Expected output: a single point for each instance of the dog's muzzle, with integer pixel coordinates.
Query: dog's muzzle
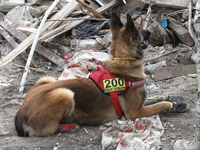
(145, 35)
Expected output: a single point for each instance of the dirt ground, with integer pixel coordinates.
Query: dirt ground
(176, 125)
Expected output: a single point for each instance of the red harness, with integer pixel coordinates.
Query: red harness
(113, 85)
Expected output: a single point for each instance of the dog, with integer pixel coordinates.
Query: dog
(82, 101)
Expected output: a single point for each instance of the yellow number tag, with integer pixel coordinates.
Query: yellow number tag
(114, 85)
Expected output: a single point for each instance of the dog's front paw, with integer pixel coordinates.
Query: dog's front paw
(180, 107)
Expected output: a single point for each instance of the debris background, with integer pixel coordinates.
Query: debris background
(175, 53)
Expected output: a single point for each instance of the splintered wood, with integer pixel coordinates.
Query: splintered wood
(63, 13)
(53, 29)
(39, 48)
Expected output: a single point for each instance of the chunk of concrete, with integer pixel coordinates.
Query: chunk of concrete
(15, 16)
(7, 5)
(182, 34)
(158, 35)
(35, 12)
(33, 2)
(169, 3)
(85, 44)
(136, 5)
(38, 11)
(107, 39)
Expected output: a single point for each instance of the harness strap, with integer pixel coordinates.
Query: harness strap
(113, 96)
(107, 76)
(116, 104)
(133, 84)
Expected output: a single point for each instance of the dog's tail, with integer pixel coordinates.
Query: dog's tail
(19, 125)
(45, 80)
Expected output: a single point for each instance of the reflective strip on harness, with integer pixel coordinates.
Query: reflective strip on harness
(134, 84)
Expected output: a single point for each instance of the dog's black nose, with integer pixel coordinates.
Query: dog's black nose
(146, 34)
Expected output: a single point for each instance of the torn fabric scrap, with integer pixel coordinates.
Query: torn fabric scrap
(141, 134)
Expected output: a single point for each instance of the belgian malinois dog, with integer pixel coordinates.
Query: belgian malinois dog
(81, 101)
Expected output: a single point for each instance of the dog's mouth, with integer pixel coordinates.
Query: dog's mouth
(144, 45)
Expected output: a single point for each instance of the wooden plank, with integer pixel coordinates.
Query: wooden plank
(13, 31)
(170, 72)
(68, 26)
(50, 55)
(39, 48)
(29, 40)
(94, 12)
(12, 42)
(108, 6)
(26, 30)
(8, 37)
(182, 34)
(63, 13)
(76, 13)
(81, 12)
(147, 18)
(59, 30)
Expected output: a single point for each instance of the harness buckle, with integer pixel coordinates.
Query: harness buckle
(131, 85)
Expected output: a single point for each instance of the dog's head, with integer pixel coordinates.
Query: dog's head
(127, 40)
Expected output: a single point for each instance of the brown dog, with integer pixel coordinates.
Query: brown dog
(81, 100)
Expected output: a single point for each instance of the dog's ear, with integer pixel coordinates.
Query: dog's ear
(115, 22)
(130, 24)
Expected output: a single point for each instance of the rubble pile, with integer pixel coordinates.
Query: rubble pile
(76, 25)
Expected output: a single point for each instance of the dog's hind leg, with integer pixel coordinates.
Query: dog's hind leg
(43, 118)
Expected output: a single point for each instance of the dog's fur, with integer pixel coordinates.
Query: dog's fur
(80, 101)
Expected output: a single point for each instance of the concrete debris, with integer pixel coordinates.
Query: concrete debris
(85, 44)
(34, 2)
(194, 58)
(7, 5)
(77, 27)
(182, 34)
(38, 11)
(158, 35)
(169, 3)
(137, 5)
(19, 16)
(71, 28)
(150, 68)
(184, 57)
